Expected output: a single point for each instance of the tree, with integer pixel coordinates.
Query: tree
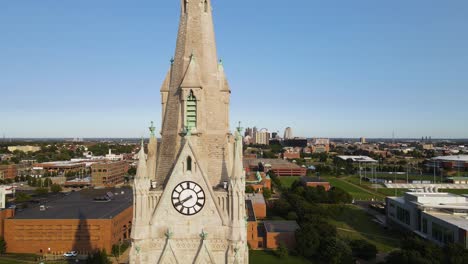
(22, 197)
(282, 251)
(99, 257)
(3, 246)
(33, 182)
(363, 249)
(41, 191)
(55, 188)
(308, 241)
(249, 189)
(266, 193)
(335, 251)
(132, 171)
(338, 195)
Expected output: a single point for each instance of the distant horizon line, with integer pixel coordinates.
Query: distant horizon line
(138, 138)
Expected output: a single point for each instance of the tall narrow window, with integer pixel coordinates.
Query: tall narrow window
(185, 6)
(206, 6)
(189, 163)
(191, 112)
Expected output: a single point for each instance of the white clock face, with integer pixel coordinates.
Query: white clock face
(188, 198)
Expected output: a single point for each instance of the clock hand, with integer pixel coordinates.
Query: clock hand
(183, 201)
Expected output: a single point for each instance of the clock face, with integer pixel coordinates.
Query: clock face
(188, 198)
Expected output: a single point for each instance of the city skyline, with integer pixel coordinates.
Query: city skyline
(360, 69)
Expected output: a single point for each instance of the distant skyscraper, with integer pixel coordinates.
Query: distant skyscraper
(288, 134)
(363, 140)
(248, 132)
(274, 135)
(262, 137)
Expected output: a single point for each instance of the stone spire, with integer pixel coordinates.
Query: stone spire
(152, 150)
(195, 90)
(141, 167)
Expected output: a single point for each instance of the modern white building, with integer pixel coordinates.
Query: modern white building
(439, 217)
(358, 159)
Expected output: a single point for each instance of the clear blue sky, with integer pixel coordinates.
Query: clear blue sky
(93, 68)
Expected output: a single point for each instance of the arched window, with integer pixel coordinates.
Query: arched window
(191, 112)
(206, 6)
(185, 6)
(189, 163)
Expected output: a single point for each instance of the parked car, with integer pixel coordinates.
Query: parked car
(70, 254)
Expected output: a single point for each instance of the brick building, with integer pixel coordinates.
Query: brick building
(267, 234)
(58, 167)
(314, 182)
(278, 232)
(84, 221)
(278, 166)
(108, 174)
(8, 172)
(258, 180)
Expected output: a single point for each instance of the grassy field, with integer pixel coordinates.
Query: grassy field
(267, 257)
(353, 222)
(288, 181)
(455, 191)
(358, 193)
(11, 261)
(371, 187)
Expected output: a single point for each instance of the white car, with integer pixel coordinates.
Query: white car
(70, 254)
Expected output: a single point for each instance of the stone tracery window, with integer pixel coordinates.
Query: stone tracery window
(189, 163)
(191, 112)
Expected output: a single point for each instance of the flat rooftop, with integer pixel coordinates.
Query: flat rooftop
(312, 179)
(81, 205)
(281, 226)
(463, 158)
(358, 159)
(461, 221)
(274, 163)
(255, 198)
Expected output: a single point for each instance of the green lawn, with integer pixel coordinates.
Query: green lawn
(455, 191)
(411, 177)
(11, 261)
(357, 193)
(288, 181)
(353, 222)
(371, 187)
(267, 257)
(17, 258)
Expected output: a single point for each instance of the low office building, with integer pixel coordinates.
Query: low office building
(438, 217)
(83, 221)
(280, 232)
(8, 172)
(58, 167)
(458, 162)
(458, 180)
(24, 148)
(108, 174)
(357, 159)
(258, 204)
(267, 234)
(279, 167)
(315, 182)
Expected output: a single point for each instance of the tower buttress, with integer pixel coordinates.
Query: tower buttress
(238, 237)
(141, 188)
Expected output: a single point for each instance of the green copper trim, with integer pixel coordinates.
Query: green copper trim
(152, 129)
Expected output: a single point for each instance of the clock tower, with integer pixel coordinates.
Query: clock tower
(189, 191)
